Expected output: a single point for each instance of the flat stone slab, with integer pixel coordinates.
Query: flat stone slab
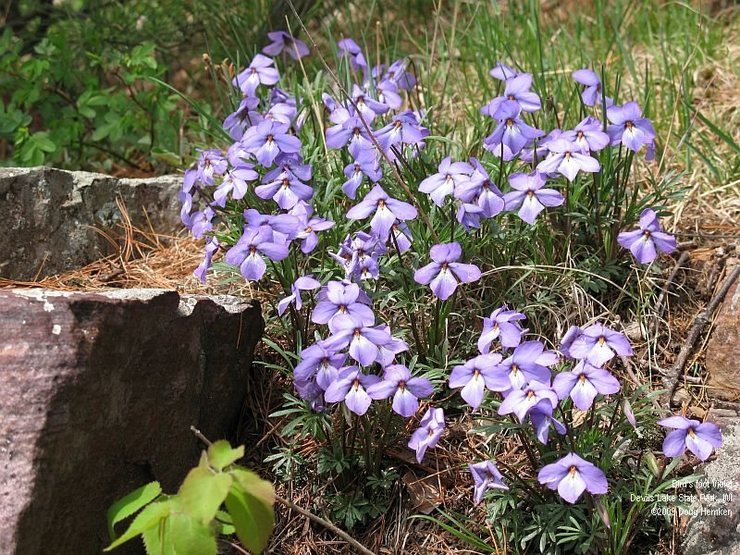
(49, 216)
(97, 395)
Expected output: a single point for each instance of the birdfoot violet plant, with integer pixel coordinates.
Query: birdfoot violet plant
(389, 243)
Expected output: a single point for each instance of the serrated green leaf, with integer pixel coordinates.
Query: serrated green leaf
(154, 539)
(130, 504)
(203, 492)
(188, 536)
(148, 518)
(221, 454)
(250, 504)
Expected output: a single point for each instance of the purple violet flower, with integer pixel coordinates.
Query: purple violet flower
(388, 94)
(284, 227)
(237, 122)
(398, 74)
(359, 255)
(430, 429)
(350, 49)
(286, 190)
(501, 324)
(700, 439)
(367, 106)
(350, 129)
(248, 250)
(387, 353)
(566, 158)
(529, 362)
(583, 383)
(363, 340)
(443, 183)
(303, 283)
(235, 182)
(473, 377)
(597, 345)
(629, 127)
(529, 197)
(571, 476)
(340, 301)
(351, 387)
(210, 163)
(401, 236)
(260, 71)
(645, 242)
(517, 90)
(502, 72)
(404, 128)
(366, 164)
(541, 417)
(386, 211)
(479, 189)
(211, 247)
(285, 42)
(521, 401)
(485, 476)
(587, 136)
(517, 98)
(268, 139)
(319, 365)
(512, 134)
(308, 226)
(591, 94)
(444, 273)
(406, 390)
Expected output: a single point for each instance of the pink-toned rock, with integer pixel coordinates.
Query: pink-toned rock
(97, 395)
(723, 350)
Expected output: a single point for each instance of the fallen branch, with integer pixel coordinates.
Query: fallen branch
(308, 514)
(700, 321)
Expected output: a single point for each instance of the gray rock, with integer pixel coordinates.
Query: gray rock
(713, 526)
(98, 393)
(49, 216)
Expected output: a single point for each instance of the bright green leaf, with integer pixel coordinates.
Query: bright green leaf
(221, 454)
(131, 503)
(188, 536)
(203, 492)
(250, 504)
(148, 518)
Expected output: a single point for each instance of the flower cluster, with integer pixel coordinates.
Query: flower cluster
(356, 359)
(265, 160)
(524, 379)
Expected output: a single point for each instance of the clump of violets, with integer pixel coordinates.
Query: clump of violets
(646, 242)
(256, 202)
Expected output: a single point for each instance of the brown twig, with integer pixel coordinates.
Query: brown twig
(700, 321)
(308, 514)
